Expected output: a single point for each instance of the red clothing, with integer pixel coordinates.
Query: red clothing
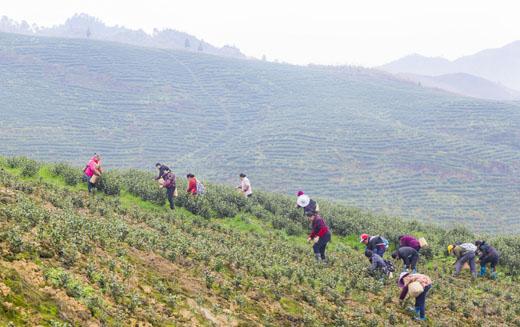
(192, 186)
(92, 166)
(319, 228)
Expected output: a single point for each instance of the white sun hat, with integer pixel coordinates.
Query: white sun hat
(303, 200)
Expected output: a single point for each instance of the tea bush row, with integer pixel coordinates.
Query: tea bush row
(232, 265)
(29, 167)
(279, 210)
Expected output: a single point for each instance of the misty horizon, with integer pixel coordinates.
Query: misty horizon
(337, 33)
(35, 28)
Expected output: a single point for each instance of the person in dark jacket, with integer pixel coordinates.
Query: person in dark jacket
(410, 257)
(487, 254)
(376, 243)
(320, 235)
(305, 202)
(378, 264)
(162, 170)
(170, 184)
(409, 240)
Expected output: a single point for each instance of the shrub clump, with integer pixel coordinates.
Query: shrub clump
(71, 175)
(143, 185)
(111, 183)
(28, 166)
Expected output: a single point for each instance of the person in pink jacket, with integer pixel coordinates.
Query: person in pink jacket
(92, 168)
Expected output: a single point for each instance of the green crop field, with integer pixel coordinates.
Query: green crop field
(349, 134)
(114, 259)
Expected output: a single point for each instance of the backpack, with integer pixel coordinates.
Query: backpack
(469, 247)
(390, 266)
(385, 241)
(169, 180)
(200, 188)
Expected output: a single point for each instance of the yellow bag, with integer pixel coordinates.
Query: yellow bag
(415, 289)
(161, 181)
(94, 179)
(175, 193)
(422, 242)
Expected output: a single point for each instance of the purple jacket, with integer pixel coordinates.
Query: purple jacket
(408, 240)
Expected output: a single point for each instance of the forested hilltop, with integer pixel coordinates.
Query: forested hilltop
(350, 134)
(121, 257)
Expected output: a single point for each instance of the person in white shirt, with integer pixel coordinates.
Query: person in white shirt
(245, 186)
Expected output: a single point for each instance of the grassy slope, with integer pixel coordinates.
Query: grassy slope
(75, 265)
(374, 141)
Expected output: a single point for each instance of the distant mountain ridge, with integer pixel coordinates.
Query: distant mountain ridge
(465, 84)
(83, 26)
(500, 65)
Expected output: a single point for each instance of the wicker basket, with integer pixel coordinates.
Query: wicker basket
(415, 289)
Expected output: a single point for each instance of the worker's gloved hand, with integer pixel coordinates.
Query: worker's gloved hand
(316, 239)
(308, 240)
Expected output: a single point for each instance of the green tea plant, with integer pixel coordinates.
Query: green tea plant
(153, 264)
(142, 184)
(28, 167)
(111, 183)
(71, 175)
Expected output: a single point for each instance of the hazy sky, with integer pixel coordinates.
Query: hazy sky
(362, 32)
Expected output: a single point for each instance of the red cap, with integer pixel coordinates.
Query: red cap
(300, 193)
(363, 237)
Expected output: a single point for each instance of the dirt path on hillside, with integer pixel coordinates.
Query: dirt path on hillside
(191, 286)
(69, 308)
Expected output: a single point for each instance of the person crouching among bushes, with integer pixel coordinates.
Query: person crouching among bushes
(320, 235)
(417, 286)
(192, 184)
(378, 266)
(305, 202)
(464, 252)
(245, 186)
(92, 171)
(487, 254)
(376, 244)
(410, 257)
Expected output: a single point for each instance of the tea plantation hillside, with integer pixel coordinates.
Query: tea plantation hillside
(350, 134)
(115, 259)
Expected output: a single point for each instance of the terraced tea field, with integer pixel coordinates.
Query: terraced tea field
(350, 134)
(72, 259)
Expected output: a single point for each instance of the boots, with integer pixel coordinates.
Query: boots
(482, 271)
(417, 312)
(318, 257)
(493, 274)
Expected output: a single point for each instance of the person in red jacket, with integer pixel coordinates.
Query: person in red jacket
(192, 184)
(320, 235)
